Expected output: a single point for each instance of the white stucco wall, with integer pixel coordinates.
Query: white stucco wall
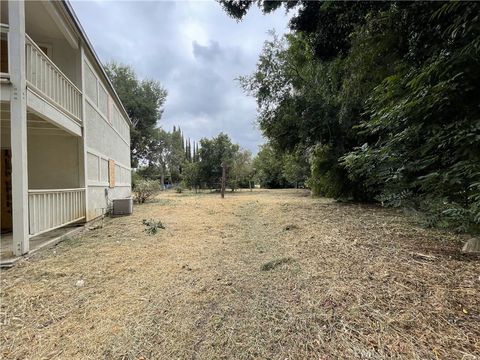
(107, 137)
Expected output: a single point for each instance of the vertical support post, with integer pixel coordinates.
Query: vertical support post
(224, 179)
(18, 121)
(83, 141)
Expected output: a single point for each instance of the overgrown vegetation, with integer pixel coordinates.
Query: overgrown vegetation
(144, 190)
(382, 98)
(152, 226)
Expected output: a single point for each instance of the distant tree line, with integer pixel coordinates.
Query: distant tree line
(380, 98)
(156, 154)
(205, 169)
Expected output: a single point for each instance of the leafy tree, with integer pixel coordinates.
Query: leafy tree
(176, 157)
(143, 100)
(192, 176)
(295, 168)
(299, 107)
(424, 126)
(213, 153)
(268, 168)
(384, 96)
(167, 158)
(241, 174)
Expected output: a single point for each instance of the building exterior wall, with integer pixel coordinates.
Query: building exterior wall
(94, 152)
(53, 161)
(107, 138)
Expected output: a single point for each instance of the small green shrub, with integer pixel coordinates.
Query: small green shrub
(145, 189)
(152, 226)
(179, 189)
(276, 263)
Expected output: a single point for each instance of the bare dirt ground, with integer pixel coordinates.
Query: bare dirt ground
(262, 275)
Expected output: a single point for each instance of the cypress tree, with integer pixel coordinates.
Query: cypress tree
(189, 150)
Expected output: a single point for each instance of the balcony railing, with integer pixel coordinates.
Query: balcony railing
(51, 209)
(45, 77)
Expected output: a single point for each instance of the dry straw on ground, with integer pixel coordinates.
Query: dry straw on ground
(358, 282)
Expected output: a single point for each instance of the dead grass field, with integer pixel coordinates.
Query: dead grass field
(262, 275)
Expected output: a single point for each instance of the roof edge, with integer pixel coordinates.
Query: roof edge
(68, 7)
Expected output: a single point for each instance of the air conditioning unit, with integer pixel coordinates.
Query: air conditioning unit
(122, 206)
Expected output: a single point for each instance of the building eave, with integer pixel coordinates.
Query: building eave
(89, 47)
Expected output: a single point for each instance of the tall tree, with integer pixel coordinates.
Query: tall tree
(295, 167)
(267, 166)
(213, 153)
(384, 95)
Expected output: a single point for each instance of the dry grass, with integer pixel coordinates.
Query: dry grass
(343, 281)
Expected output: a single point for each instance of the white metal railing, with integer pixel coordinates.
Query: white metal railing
(51, 209)
(44, 76)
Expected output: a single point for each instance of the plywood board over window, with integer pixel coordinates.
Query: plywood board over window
(111, 173)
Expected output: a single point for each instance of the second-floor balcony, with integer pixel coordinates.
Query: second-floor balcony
(45, 78)
(52, 70)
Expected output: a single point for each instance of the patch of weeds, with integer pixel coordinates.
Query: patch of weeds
(276, 263)
(161, 202)
(152, 226)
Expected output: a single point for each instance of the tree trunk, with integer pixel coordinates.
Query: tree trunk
(250, 185)
(162, 182)
(224, 176)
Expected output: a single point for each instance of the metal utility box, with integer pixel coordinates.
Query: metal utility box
(122, 206)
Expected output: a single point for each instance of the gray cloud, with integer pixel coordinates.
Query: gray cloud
(209, 52)
(195, 50)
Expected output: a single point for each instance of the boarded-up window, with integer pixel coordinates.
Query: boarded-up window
(111, 173)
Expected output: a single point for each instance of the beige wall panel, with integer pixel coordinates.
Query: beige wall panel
(93, 167)
(52, 161)
(98, 200)
(103, 139)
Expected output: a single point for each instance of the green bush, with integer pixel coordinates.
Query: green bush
(145, 189)
(152, 226)
(327, 177)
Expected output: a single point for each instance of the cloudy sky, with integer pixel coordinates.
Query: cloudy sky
(195, 50)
